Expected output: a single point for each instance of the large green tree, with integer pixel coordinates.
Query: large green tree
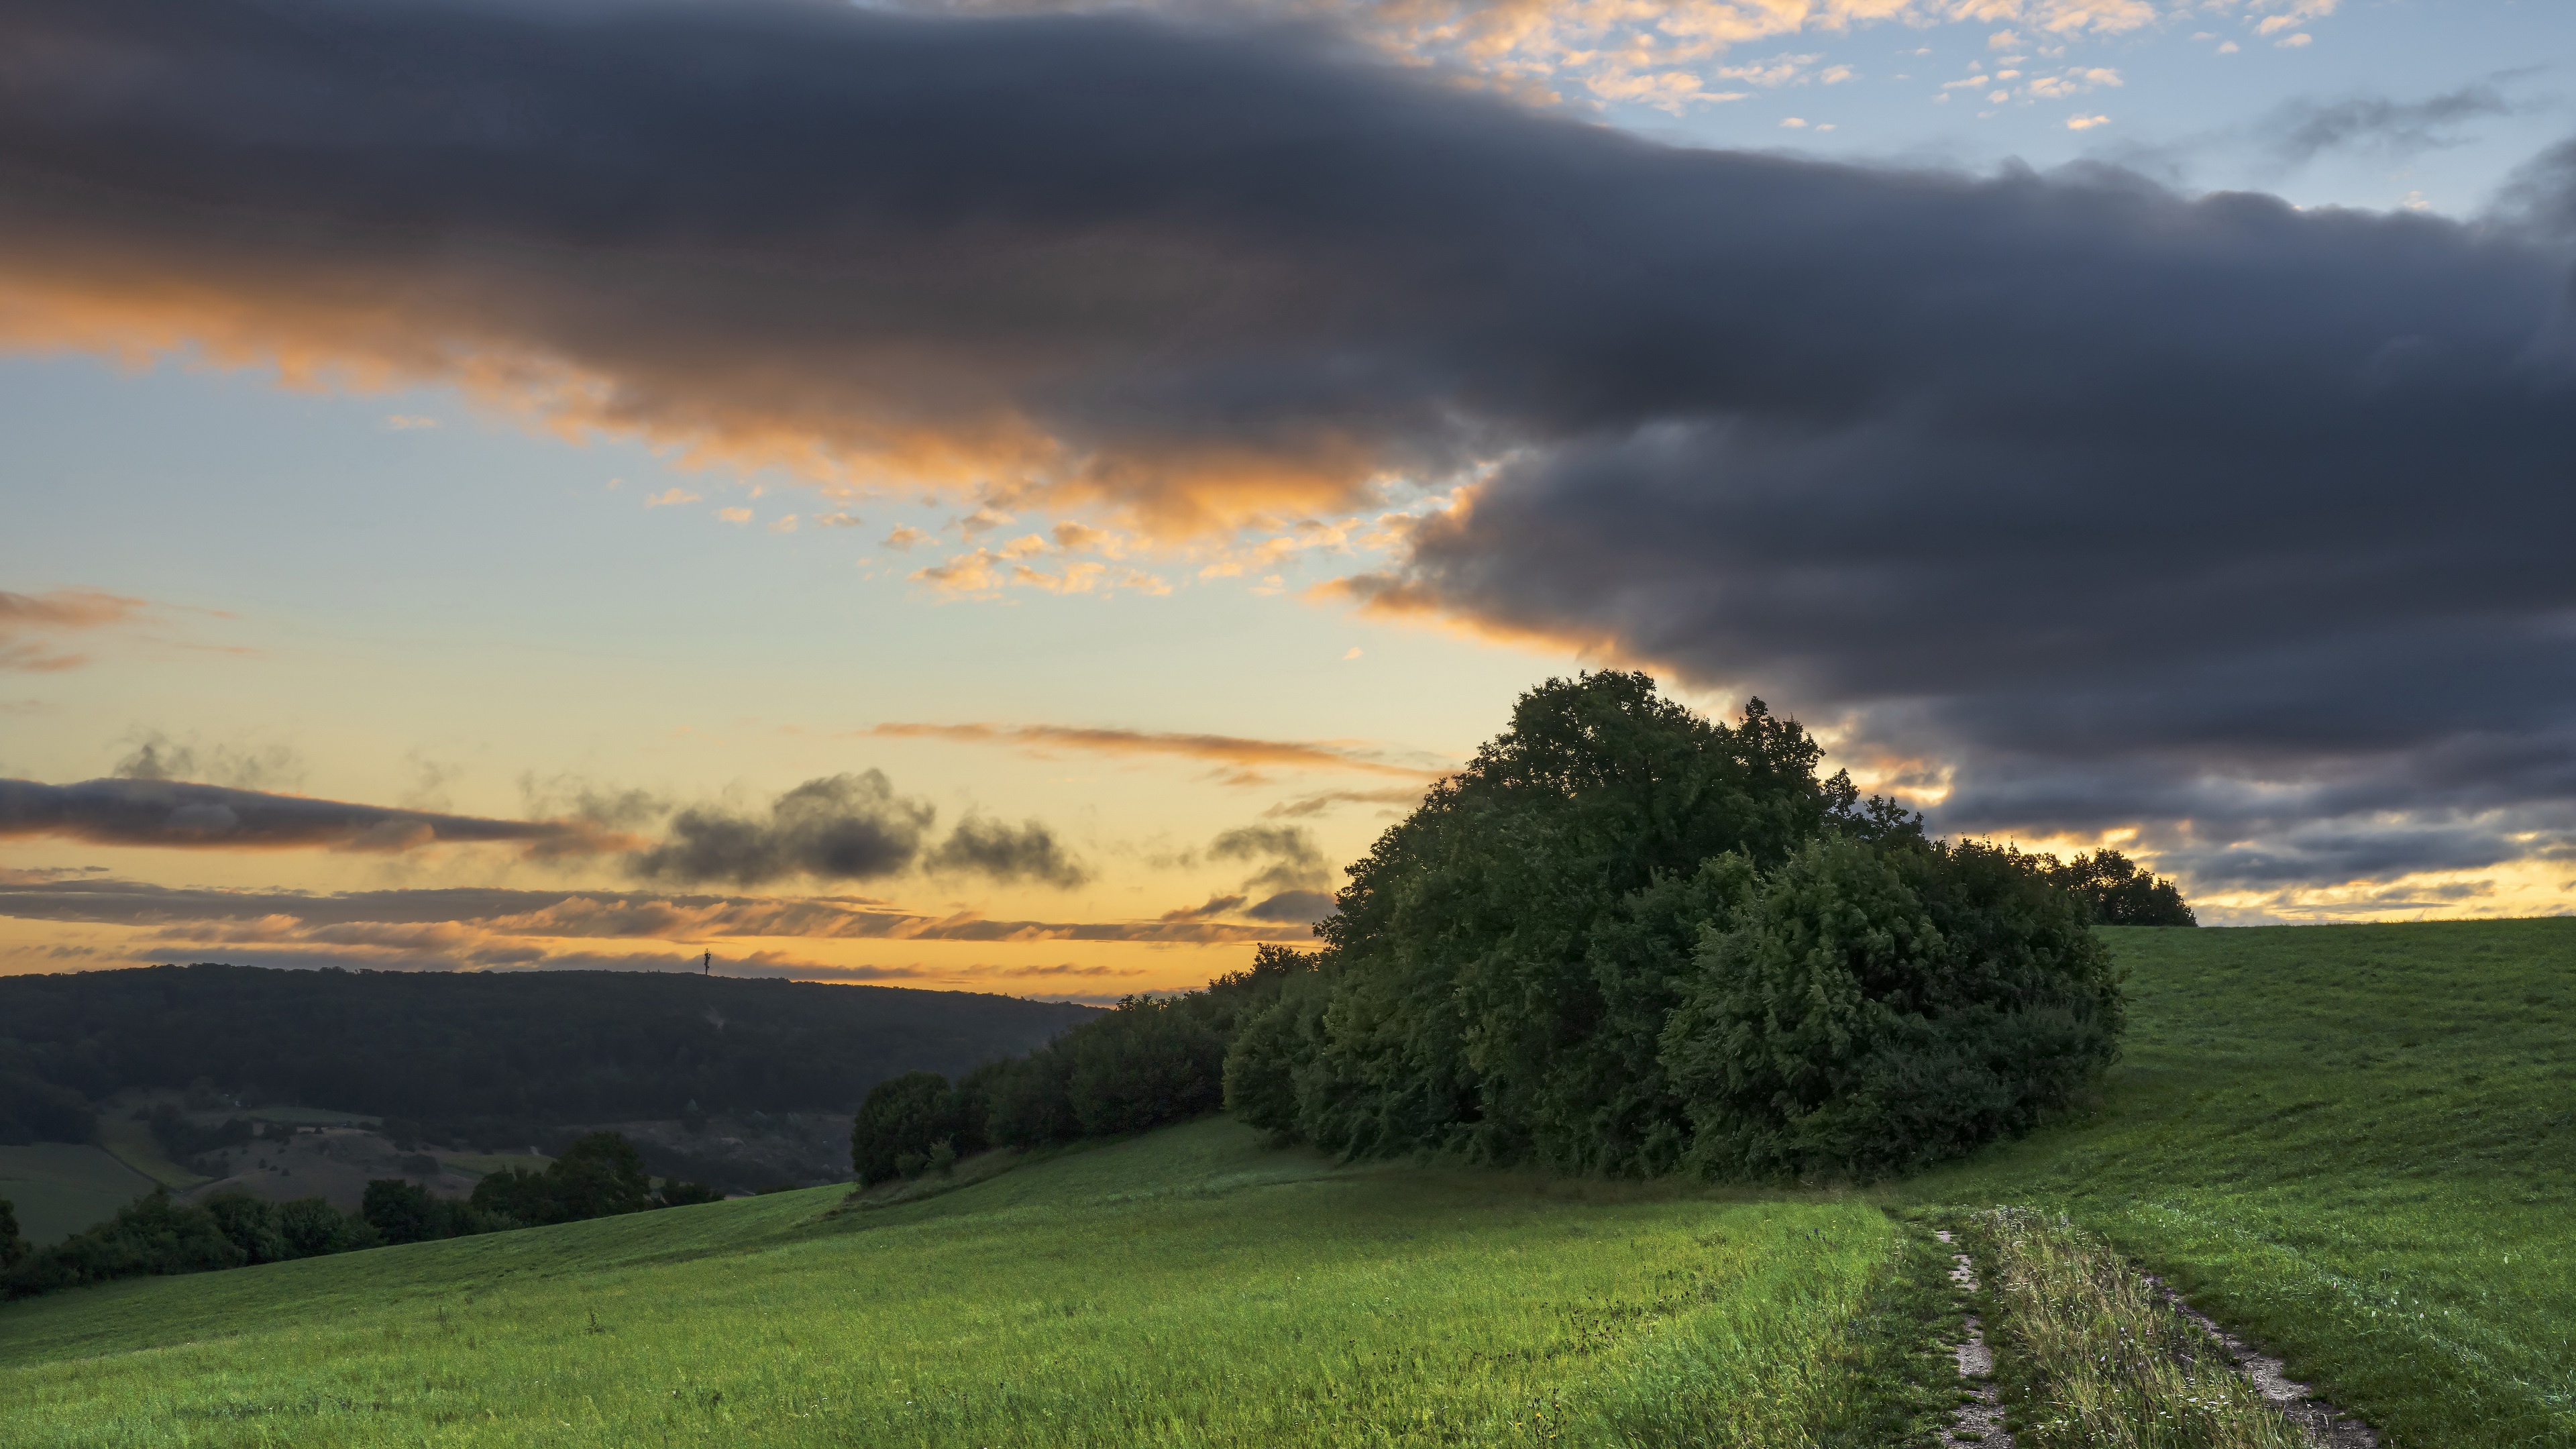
(1503, 960)
(1629, 940)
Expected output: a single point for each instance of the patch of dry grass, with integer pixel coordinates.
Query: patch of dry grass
(2093, 1358)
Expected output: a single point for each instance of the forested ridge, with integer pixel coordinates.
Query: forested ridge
(473, 1054)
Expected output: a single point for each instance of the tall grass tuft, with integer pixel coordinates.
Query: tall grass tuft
(2093, 1358)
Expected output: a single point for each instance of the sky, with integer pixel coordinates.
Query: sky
(1012, 498)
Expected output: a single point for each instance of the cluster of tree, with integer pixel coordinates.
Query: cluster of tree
(158, 1234)
(187, 1143)
(33, 1110)
(1630, 941)
(1144, 1063)
(601, 1175)
(2117, 892)
(494, 1059)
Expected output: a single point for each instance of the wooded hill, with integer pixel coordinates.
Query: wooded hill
(470, 1055)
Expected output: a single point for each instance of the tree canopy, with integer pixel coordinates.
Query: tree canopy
(1630, 940)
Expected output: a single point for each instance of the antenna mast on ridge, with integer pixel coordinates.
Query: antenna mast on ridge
(707, 967)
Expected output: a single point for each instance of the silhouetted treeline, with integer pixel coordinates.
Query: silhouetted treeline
(488, 1057)
(1144, 1063)
(2117, 892)
(1630, 941)
(599, 1176)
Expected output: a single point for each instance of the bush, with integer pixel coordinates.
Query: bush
(675, 1193)
(13, 1248)
(1868, 1010)
(1148, 1063)
(599, 1175)
(311, 1227)
(900, 1123)
(250, 1225)
(151, 1235)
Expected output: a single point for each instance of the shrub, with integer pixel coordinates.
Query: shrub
(902, 1119)
(13, 1248)
(599, 1175)
(675, 1193)
(1868, 1011)
(1148, 1063)
(151, 1235)
(252, 1226)
(311, 1227)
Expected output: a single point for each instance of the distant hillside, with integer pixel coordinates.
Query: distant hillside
(473, 1052)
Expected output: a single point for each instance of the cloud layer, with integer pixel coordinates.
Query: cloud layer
(169, 813)
(2235, 522)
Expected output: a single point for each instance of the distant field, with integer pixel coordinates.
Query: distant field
(60, 1189)
(484, 1164)
(131, 1143)
(2357, 1143)
(1189, 1288)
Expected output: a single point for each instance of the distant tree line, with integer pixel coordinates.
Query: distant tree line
(1145, 1063)
(2116, 891)
(1626, 941)
(481, 1058)
(601, 1175)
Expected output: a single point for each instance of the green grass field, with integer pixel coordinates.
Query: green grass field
(60, 1189)
(1189, 1288)
(2356, 1144)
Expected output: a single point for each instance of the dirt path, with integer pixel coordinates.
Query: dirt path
(2326, 1425)
(1979, 1420)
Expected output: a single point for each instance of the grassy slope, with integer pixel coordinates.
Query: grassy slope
(1188, 1288)
(60, 1188)
(2356, 1143)
(132, 1143)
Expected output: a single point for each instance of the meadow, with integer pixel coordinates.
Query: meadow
(60, 1188)
(1192, 1287)
(2355, 1144)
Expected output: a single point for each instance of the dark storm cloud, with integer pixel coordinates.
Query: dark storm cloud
(169, 813)
(2115, 501)
(839, 827)
(1028, 852)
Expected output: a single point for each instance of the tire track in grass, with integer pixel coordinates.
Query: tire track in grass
(2095, 1355)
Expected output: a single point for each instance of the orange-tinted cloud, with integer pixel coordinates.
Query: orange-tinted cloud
(1235, 751)
(57, 611)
